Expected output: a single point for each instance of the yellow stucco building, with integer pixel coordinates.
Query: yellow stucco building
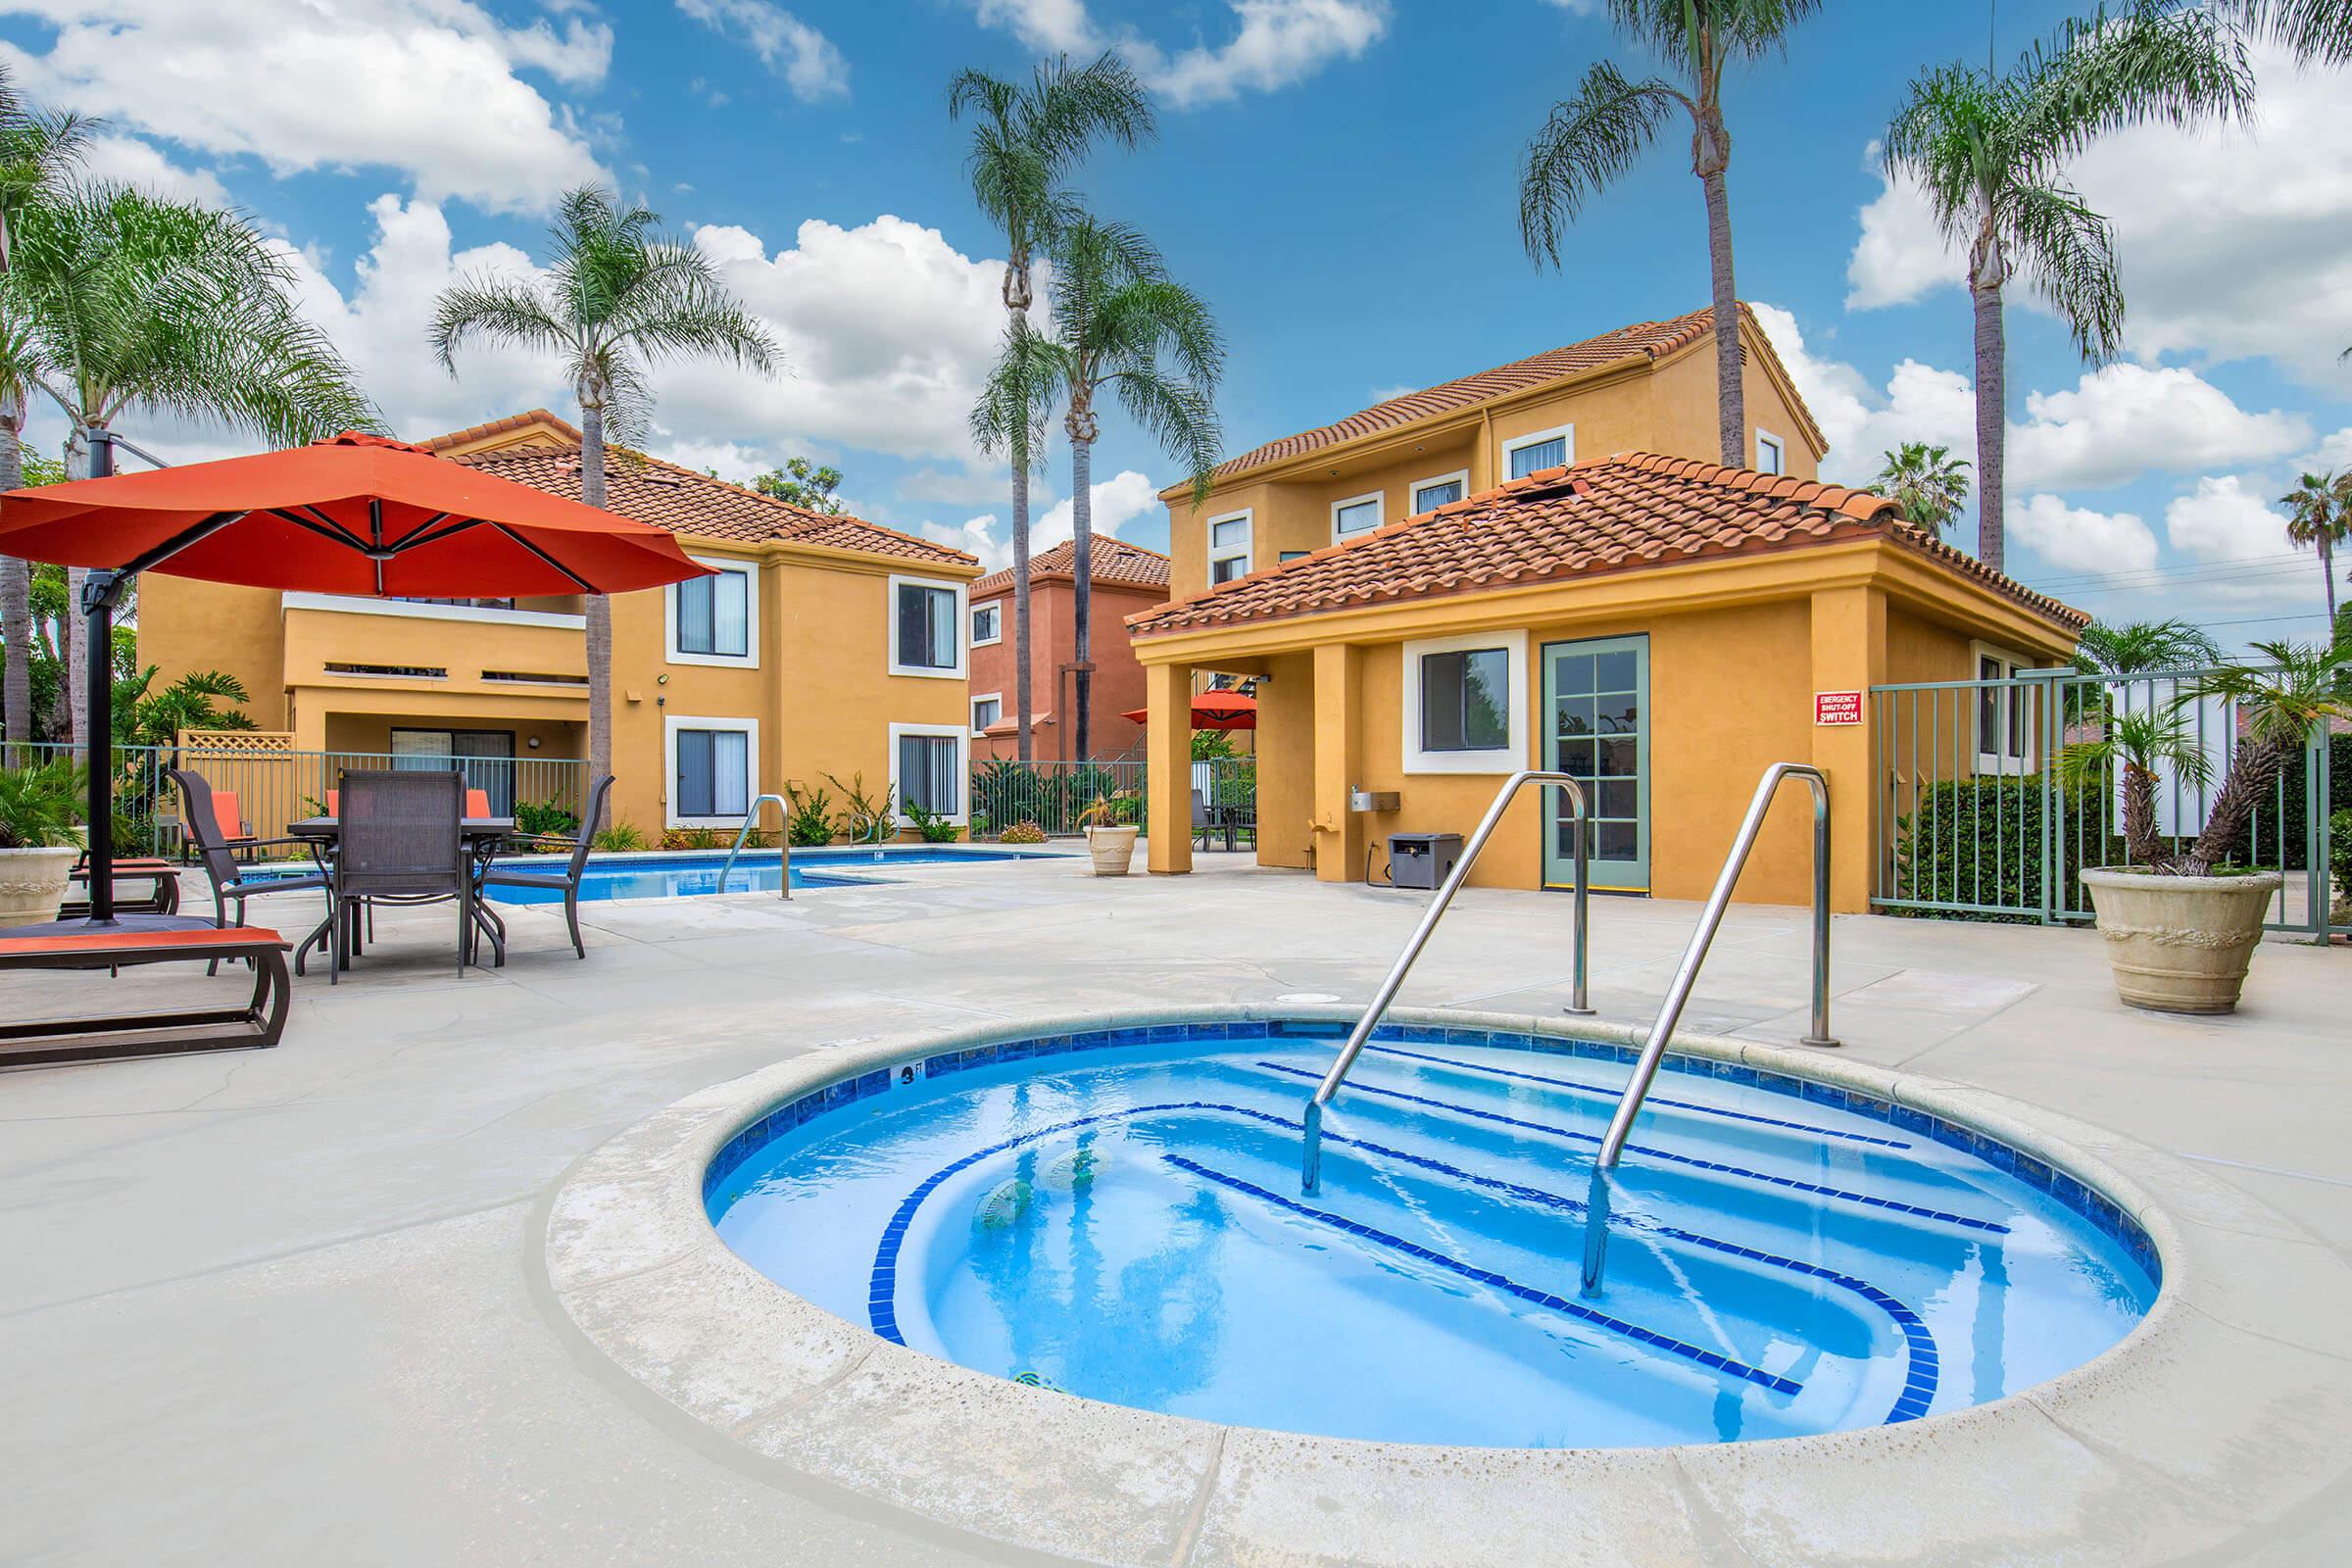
(1659, 626)
(825, 645)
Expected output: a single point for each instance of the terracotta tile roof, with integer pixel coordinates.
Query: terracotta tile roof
(1615, 515)
(514, 421)
(1651, 340)
(687, 502)
(1115, 560)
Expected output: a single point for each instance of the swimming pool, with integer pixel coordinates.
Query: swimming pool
(669, 876)
(1117, 1214)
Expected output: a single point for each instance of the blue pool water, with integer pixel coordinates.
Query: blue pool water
(1119, 1217)
(756, 870)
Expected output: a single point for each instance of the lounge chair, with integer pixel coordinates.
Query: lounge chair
(234, 882)
(568, 880)
(162, 889)
(258, 1024)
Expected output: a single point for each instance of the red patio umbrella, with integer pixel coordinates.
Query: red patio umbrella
(353, 515)
(1217, 709)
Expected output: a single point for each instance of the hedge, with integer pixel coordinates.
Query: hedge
(1978, 841)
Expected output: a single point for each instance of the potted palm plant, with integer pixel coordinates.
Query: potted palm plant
(2180, 925)
(40, 806)
(1109, 824)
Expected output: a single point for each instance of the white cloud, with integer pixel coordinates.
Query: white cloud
(2124, 421)
(1902, 254)
(788, 46)
(427, 87)
(2114, 425)
(2223, 519)
(2076, 539)
(142, 164)
(1117, 501)
(1276, 42)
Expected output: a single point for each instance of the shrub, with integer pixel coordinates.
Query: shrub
(810, 823)
(865, 818)
(931, 827)
(1022, 833)
(42, 806)
(2288, 808)
(620, 836)
(1979, 841)
(548, 817)
(698, 838)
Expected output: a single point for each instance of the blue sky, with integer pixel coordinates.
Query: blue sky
(1336, 177)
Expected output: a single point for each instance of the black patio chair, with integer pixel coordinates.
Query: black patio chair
(567, 881)
(234, 881)
(400, 838)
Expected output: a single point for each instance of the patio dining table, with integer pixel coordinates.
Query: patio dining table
(482, 835)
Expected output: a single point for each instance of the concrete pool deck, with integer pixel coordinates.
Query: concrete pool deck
(290, 1304)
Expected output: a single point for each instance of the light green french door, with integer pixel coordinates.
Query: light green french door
(1597, 730)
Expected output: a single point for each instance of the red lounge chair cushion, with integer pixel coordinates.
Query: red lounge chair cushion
(199, 940)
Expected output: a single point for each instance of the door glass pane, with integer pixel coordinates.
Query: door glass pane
(1618, 796)
(1571, 673)
(422, 748)
(1572, 715)
(1620, 758)
(693, 773)
(1619, 713)
(1613, 672)
(730, 772)
(1616, 841)
(1574, 758)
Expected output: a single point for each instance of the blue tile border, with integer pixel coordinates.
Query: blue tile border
(2098, 1210)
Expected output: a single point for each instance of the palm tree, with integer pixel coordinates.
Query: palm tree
(1990, 152)
(1027, 141)
(2140, 645)
(37, 150)
(1115, 313)
(2319, 515)
(127, 301)
(1595, 136)
(617, 299)
(1928, 482)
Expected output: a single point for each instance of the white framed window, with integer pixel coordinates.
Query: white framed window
(986, 710)
(1465, 703)
(929, 766)
(1523, 455)
(1439, 490)
(987, 623)
(1771, 453)
(715, 619)
(1355, 514)
(714, 769)
(926, 628)
(1229, 546)
(2004, 714)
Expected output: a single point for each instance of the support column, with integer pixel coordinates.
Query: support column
(1338, 760)
(1849, 654)
(1168, 766)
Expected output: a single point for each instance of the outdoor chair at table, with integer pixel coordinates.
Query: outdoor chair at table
(399, 839)
(566, 881)
(223, 822)
(234, 881)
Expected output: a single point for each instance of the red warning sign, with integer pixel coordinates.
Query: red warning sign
(1837, 707)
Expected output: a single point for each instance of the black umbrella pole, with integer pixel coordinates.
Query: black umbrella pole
(100, 591)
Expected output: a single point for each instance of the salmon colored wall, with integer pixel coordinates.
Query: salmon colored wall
(1118, 685)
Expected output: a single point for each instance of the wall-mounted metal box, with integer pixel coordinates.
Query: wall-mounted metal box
(1372, 800)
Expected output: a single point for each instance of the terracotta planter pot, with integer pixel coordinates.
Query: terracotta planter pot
(32, 884)
(1113, 849)
(2180, 944)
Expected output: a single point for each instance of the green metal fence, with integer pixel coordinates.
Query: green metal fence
(1055, 796)
(1975, 821)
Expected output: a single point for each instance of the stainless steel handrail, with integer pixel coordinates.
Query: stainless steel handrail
(783, 840)
(1685, 975)
(1310, 1162)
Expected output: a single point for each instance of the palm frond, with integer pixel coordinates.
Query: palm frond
(1010, 419)
(2140, 646)
(1178, 413)
(1589, 139)
(2155, 63)
(2317, 31)
(1068, 111)
(2067, 252)
(1684, 31)
(497, 307)
(1942, 137)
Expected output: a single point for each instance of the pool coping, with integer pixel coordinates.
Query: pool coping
(2220, 1411)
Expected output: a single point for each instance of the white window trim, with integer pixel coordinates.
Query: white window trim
(353, 604)
(1246, 551)
(671, 724)
(1536, 438)
(1508, 757)
(1779, 444)
(1412, 492)
(964, 767)
(997, 698)
(997, 604)
(962, 621)
(2012, 662)
(748, 660)
(1380, 514)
